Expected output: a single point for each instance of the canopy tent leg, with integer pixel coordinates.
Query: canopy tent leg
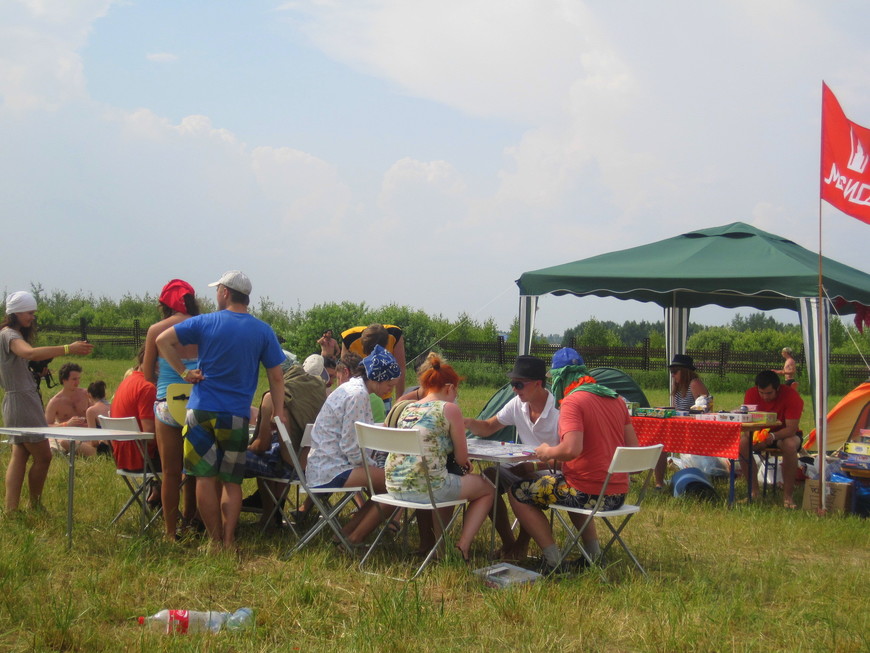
(528, 308)
(814, 326)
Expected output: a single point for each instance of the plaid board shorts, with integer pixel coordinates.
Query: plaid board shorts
(550, 489)
(215, 445)
(269, 464)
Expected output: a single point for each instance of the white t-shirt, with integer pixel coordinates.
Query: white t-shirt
(544, 431)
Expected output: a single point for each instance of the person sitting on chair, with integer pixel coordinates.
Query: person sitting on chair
(533, 412)
(440, 422)
(304, 395)
(783, 400)
(593, 422)
(69, 407)
(335, 460)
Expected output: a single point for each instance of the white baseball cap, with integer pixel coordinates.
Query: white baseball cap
(235, 280)
(313, 365)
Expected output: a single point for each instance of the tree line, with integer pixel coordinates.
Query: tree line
(300, 328)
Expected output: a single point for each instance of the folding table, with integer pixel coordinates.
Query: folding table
(75, 435)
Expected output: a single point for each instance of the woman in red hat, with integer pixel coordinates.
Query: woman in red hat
(177, 302)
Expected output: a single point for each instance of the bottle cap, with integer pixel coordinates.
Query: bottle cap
(141, 620)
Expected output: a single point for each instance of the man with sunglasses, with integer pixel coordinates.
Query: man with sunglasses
(534, 414)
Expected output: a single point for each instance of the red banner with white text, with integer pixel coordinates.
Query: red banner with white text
(845, 160)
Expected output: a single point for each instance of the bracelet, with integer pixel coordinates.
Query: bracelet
(183, 373)
(66, 349)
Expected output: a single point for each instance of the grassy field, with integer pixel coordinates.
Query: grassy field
(756, 578)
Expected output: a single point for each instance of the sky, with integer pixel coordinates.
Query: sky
(410, 152)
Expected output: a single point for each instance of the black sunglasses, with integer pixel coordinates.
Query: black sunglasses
(519, 385)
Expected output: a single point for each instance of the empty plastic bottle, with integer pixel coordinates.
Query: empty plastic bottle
(241, 618)
(189, 621)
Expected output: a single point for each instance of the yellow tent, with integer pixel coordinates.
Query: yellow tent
(846, 419)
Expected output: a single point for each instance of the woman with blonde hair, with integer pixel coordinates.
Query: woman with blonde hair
(442, 428)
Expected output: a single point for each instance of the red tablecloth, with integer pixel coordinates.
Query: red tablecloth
(690, 435)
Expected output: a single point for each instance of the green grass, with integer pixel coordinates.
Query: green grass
(746, 579)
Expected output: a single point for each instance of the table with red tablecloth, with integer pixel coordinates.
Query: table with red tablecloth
(699, 437)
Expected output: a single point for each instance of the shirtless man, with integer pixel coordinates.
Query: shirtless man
(789, 368)
(329, 347)
(69, 406)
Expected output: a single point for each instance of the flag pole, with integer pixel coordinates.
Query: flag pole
(821, 403)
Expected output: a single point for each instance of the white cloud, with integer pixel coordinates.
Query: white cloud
(40, 40)
(161, 57)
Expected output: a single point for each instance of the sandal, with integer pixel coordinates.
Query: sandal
(789, 505)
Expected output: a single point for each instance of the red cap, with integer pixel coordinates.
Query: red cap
(173, 294)
(141, 620)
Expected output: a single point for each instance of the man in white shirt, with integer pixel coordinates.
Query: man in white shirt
(534, 414)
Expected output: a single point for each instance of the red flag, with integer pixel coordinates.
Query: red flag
(845, 160)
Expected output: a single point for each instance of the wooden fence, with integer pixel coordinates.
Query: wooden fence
(719, 361)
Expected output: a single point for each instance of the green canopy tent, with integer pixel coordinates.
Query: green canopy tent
(732, 266)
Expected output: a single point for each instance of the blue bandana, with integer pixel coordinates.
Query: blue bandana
(380, 365)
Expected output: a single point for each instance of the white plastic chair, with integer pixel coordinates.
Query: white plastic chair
(629, 460)
(137, 482)
(319, 496)
(402, 441)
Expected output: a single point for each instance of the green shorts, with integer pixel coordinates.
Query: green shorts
(215, 445)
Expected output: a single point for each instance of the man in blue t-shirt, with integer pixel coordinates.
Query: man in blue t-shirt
(232, 343)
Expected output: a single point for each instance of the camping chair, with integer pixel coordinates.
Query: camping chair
(625, 460)
(320, 497)
(404, 441)
(287, 484)
(137, 482)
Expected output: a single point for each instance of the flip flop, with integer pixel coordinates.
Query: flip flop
(789, 505)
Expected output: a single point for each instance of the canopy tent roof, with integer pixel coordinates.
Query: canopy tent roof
(732, 266)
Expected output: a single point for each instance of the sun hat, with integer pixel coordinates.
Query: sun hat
(313, 365)
(529, 367)
(692, 481)
(380, 365)
(234, 280)
(681, 360)
(20, 301)
(564, 357)
(173, 295)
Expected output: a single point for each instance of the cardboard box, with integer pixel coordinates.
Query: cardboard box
(859, 448)
(839, 497)
(743, 418)
(761, 416)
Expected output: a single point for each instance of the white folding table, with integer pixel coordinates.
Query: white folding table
(79, 434)
(499, 453)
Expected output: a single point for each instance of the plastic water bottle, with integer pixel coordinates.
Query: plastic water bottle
(189, 621)
(241, 618)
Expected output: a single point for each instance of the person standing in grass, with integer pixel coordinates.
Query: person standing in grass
(789, 367)
(232, 344)
(177, 303)
(593, 422)
(22, 405)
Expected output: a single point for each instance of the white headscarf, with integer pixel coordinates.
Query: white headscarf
(20, 301)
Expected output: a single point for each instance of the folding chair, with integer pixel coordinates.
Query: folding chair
(137, 482)
(319, 496)
(177, 396)
(404, 441)
(629, 460)
(287, 484)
